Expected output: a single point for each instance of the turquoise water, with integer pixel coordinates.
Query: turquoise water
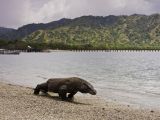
(126, 77)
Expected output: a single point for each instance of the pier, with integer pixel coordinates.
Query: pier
(4, 51)
(115, 50)
(17, 52)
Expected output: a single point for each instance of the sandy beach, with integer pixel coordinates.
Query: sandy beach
(19, 103)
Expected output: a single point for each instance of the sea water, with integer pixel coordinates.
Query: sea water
(126, 77)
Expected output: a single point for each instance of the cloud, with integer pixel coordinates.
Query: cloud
(11, 12)
(15, 13)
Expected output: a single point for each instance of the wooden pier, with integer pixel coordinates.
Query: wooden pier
(17, 52)
(115, 50)
(9, 52)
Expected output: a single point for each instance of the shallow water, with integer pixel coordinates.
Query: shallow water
(126, 77)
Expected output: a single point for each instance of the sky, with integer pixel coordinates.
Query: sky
(15, 13)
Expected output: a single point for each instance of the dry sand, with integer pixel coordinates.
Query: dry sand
(19, 103)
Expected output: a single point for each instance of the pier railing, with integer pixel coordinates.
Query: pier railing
(4, 51)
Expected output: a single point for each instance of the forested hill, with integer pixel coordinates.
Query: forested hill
(95, 32)
(13, 34)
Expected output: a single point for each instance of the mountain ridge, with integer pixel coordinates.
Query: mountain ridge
(29, 28)
(32, 27)
(93, 32)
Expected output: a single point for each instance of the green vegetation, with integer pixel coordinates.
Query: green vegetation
(134, 32)
(12, 45)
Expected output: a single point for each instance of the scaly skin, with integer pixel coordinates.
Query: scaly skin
(62, 86)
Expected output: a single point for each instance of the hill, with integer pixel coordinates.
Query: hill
(93, 32)
(6, 33)
(111, 32)
(13, 34)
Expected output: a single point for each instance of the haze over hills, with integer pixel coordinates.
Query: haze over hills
(110, 32)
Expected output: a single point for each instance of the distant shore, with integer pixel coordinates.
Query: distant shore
(17, 103)
(3, 51)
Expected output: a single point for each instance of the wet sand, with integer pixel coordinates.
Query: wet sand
(19, 103)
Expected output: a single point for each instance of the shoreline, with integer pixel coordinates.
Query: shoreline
(52, 51)
(18, 102)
